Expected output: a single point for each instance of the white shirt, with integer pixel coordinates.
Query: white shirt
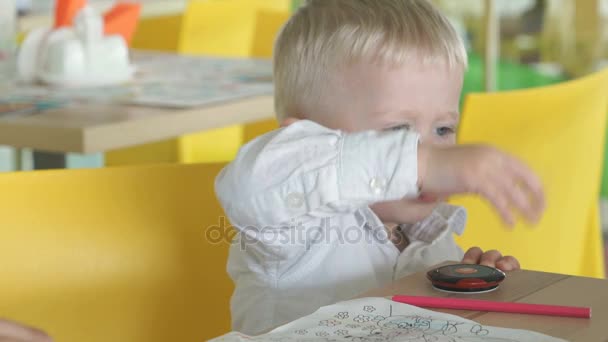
(299, 197)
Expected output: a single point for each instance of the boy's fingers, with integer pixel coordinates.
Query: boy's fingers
(13, 331)
(490, 258)
(496, 196)
(517, 196)
(518, 199)
(508, 263)
(9, 329)
(531, 183)
(472, 256)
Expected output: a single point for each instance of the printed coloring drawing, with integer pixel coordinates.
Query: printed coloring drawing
(378, 328)
(382, 320)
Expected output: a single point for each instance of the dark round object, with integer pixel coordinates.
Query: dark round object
(463, 278)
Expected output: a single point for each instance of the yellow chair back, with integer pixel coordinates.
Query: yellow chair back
(224, 27)
(228, 28)
(559, 131)
(116, 254)
(268, 24)
(158, 33)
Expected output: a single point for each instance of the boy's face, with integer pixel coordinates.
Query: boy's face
(424, 98)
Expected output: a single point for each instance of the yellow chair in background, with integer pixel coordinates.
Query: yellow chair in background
(559, 131)
(228, 28)
(225, 28)
(268, 24)
(234, 28)
(132, 254)
(158, 33)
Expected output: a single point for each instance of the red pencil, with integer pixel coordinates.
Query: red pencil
(490, 306)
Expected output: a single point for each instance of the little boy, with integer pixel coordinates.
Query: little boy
(348, 195)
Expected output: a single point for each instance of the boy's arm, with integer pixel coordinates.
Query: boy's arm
(306, 169)
(505, 181)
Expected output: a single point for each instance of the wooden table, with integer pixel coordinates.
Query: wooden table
(98, 126)
(90, 128)
(528, 287)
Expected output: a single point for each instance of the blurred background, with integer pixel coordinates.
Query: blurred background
(513, 44)
(537, 42)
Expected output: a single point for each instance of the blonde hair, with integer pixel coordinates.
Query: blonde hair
(326, 34)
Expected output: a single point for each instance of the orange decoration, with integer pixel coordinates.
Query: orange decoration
(122, 20)
(66, 10)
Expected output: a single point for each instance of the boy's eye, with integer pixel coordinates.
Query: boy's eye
(399, 127)
(443, 131)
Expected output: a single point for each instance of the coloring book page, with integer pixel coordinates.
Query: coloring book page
(382, 320)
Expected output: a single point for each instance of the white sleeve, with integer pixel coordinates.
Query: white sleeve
(309, 170)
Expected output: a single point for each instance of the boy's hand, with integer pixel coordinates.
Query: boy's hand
(502, 179)
(14, 332)
(491, 258)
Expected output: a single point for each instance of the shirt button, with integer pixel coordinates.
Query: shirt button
(295, 200)
(378, 185)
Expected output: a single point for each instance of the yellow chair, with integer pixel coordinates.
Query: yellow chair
(225, 28)
(559, 131)
(228, 28)
(158, 33)
(268, 24)
(133, 254)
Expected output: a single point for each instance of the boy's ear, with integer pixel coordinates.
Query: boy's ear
(288, 121)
